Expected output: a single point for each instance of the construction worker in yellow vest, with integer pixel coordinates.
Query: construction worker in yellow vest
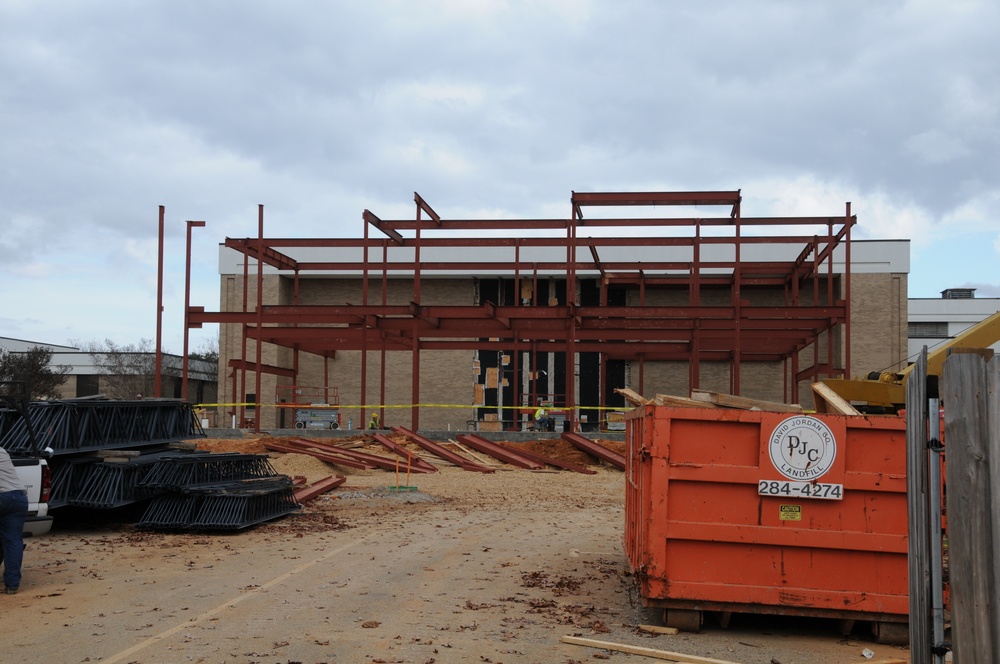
(373, 423)
(542, 420)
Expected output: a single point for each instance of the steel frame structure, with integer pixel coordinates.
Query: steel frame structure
(696, 332)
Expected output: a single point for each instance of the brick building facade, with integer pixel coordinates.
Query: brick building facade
(461, 386)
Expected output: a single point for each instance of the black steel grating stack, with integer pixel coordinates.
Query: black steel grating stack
(105, 484)
(73, 426)
(108, 454)
(230, 505)
(216, 492)
(179, 471)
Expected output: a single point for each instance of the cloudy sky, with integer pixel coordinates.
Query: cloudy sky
(487, 108)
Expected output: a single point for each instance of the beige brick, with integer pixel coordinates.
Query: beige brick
(878, 340)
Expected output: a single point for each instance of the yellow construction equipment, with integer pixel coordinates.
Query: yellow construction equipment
(885, 392)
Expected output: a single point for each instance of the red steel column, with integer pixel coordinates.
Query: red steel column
(847, 293)
(738, 309)
(260, 317)
(158, 378)
(363, 424)
(187, 308)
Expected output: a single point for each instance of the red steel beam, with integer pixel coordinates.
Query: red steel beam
(736, 333)
(594, 449)
(549, 461)
(499, 452)
(415, 461)
(442, 452)
(318, 488)
(385, 463)
(329, 457)
(650, 198)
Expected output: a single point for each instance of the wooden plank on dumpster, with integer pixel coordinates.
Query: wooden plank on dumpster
(632, 396)
(828, 401)
(744, 403)
(645, 652)
(681, 402)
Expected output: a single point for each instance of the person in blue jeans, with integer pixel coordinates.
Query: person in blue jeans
(13, 510)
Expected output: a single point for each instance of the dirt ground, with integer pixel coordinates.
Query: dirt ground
(467, 567)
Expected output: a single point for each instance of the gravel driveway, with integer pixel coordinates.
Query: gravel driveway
(469, 567)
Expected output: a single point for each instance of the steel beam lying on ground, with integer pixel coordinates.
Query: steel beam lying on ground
(442, 452)
(549, 461)
(415, 461)
(594, 449)
(316, 489)
(329, 457)
(499, 452)
(385, 463)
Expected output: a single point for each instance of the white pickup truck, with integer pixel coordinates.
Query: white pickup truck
(37, 478)
(31, 465)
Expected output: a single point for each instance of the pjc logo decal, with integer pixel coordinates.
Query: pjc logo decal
(802, 448)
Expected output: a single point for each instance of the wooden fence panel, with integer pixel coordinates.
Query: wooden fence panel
(917, 513)
(969, 501)
(993, 444)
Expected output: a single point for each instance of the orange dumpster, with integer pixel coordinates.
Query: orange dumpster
(763, 512)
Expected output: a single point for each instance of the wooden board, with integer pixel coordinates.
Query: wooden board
(631, 396)
(681, 402)
(645, 652)
(657, 629)
(828, 401)
(744, 403)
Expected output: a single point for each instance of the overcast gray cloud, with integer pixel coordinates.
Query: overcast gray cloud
(321, 109)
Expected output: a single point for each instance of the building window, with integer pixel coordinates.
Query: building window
(924, 330)
(87, 386)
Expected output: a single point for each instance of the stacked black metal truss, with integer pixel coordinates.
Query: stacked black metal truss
(230, 505)
(68, 477)
(82, 425)
(103, 484)
(176, 472)
(188, 489)
(216, 492)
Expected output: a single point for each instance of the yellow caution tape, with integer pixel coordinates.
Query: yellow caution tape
(398, 406)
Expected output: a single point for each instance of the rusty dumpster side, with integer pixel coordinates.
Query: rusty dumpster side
(763, 512)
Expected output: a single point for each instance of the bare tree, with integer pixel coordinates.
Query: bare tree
(127, 371)
(34, 370)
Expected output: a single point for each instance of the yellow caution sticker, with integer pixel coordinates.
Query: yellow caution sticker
(790, 512)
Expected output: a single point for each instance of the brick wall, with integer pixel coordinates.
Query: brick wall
(878, 316)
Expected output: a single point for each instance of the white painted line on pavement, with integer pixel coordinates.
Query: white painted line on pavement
(222, 607)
